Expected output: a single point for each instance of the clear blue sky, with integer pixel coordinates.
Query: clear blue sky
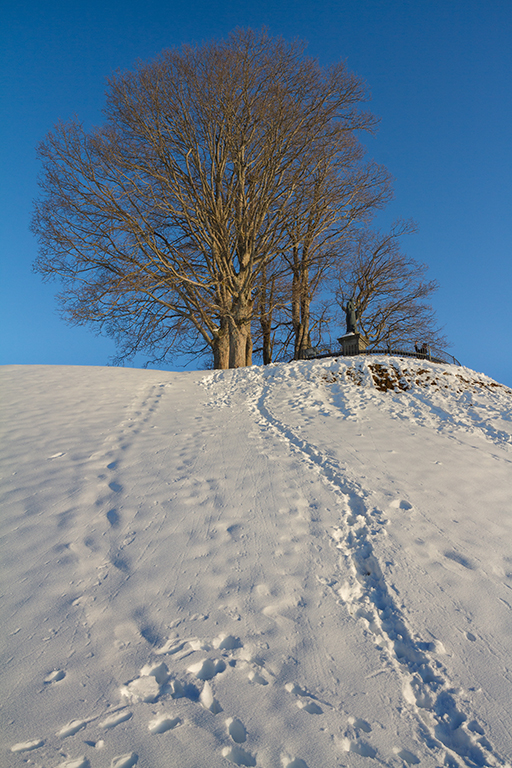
(440, 74)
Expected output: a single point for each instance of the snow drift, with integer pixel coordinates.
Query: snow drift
(292, 566)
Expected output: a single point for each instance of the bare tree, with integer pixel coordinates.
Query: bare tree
(389, 290)
(340, 191)
(161, 222)
(272, 290)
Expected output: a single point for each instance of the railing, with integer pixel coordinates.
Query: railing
(432, 355)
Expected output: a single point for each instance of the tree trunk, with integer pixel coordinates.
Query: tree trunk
(240, 345)
(220, 348)
(265, 313)
(248, 348)
(300, 311)
(266, 330)
(305, 302)
(239, 323)
(296, 314)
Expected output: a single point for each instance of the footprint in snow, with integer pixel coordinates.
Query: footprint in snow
(96, 744)
(401, 504)
(293, 762)
(199, 617)
(360, 724)
(27, 746)
(460, 559)
(113, 517)
(256, 677)
(227, 642)
(296, 689)
(163, 723)
(359, 747)
(306, 702)
(75, 762)
(55, 677)
(236, 729)
(124, 761)
(121, 563)
(235, 531)
(408, 757)
(113, 720)
(238, 756)
(71, 728)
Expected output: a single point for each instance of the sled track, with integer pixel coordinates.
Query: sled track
(426, 687)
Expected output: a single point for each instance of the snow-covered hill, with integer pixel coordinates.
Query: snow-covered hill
(304, 565)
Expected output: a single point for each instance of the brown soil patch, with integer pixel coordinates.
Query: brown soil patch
(354, 376)
(386, 378)
(389, 378)
(330, 377)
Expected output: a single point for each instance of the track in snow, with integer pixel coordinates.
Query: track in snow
(426, 686)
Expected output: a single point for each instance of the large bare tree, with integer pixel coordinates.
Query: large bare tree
(163, 222)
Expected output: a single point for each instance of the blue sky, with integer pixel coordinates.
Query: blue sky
(440, 75)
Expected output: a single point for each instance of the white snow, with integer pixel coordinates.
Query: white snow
(292, 566)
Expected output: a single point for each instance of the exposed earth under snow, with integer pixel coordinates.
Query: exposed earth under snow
(292, 566)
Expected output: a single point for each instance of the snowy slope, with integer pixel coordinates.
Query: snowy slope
(284, 566)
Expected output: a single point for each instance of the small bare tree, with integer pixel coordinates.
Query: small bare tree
(163, 222)
(389, 290)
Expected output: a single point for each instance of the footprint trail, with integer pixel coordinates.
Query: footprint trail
(426, 685)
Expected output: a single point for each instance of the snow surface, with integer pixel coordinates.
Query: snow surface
(292, 566)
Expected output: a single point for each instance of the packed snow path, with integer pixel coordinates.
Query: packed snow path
(303, 565)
